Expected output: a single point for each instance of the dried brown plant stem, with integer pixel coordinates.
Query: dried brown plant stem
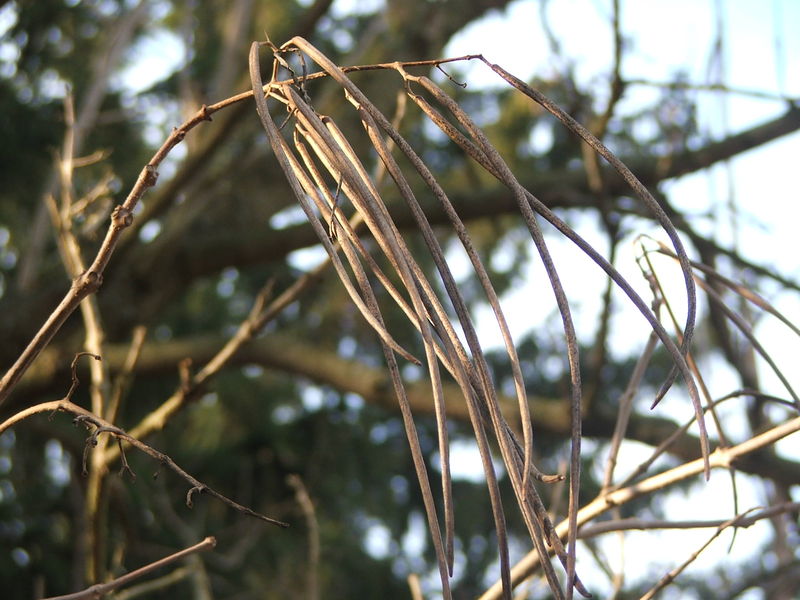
(292, 170)
(658, 212)
(101, 589)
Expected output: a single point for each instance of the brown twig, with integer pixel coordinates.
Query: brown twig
(670, 577)
(625, 409)
(153, 585)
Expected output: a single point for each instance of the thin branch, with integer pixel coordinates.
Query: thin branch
(625, 409)
(123, 378)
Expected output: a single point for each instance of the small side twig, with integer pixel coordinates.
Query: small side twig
(159, 583)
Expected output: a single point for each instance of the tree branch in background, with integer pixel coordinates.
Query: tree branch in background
(101, 589)
(285, 354)
(720, 458)
(309, 514)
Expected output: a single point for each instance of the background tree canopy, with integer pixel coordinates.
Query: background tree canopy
(230, 346)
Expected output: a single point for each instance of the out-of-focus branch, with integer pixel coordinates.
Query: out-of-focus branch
(326, 367)
(102, 64)
(634, 524)
(713, 87)
(101, 589)
(310, 516)
(71, 256)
